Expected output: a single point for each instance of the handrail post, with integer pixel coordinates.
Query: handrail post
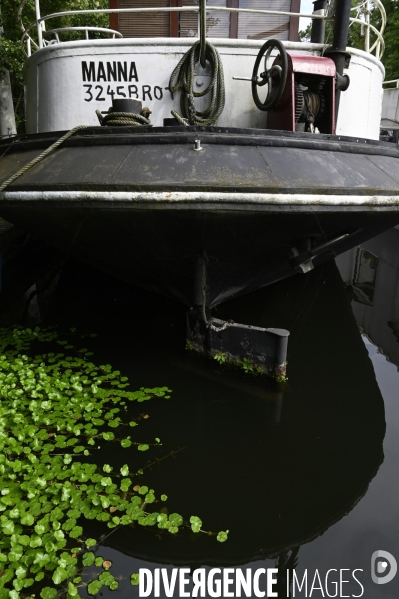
(39, 24)
(367, 20)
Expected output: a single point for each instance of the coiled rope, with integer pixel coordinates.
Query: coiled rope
(182, 79)
(41, 156)
(312, 104)
(122, 119)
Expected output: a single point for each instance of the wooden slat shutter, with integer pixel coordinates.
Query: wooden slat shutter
(217, 23)
(256, 26)
(144, 24)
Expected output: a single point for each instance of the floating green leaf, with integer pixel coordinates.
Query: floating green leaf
(134, 579)
(94, 587)
(222, 536)
(196, 523)
(59, 575)
(48, 593)
(175, 519)
(143, 447)
(88, 558)
(76, 532)
(72, 590)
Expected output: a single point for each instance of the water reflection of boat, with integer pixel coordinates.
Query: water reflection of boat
(371, 274)
(274, 487)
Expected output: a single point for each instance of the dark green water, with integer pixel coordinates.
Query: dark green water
(306, 472)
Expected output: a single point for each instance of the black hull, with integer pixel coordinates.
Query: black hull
(145, 207)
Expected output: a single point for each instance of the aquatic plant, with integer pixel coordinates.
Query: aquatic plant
(249, 367)
(54, 410)
(245, 364)
(220, 357)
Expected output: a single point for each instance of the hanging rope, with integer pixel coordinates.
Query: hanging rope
(41, 157)
(182, 79)
(123, 119)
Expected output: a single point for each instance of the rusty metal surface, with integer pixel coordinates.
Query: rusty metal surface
(315, 65)
(230, 161)
(244, 346)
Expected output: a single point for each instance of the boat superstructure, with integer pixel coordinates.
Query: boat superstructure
(66, 81)
(202, 203)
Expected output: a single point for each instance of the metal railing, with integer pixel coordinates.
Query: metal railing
(362, 17)
(363, 14)
(395, 81)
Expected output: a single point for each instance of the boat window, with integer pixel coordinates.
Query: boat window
(144, 24)
(221, 24)
(217, 23)
(259, 27)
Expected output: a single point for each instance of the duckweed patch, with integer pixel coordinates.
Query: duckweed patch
(54, 409)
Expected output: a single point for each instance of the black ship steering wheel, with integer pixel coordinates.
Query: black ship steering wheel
(269, 74)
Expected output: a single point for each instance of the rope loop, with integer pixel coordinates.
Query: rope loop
(182, 79)
(122, 119)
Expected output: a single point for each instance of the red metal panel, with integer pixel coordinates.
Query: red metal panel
(314, 65)
(282, 116)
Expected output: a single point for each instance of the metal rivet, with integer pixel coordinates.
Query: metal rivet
(197, 146)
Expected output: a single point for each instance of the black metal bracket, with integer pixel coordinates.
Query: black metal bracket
(335, 54)
(253, 348)
(302, 261)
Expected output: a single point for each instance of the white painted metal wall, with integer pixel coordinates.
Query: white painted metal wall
(62, 92)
